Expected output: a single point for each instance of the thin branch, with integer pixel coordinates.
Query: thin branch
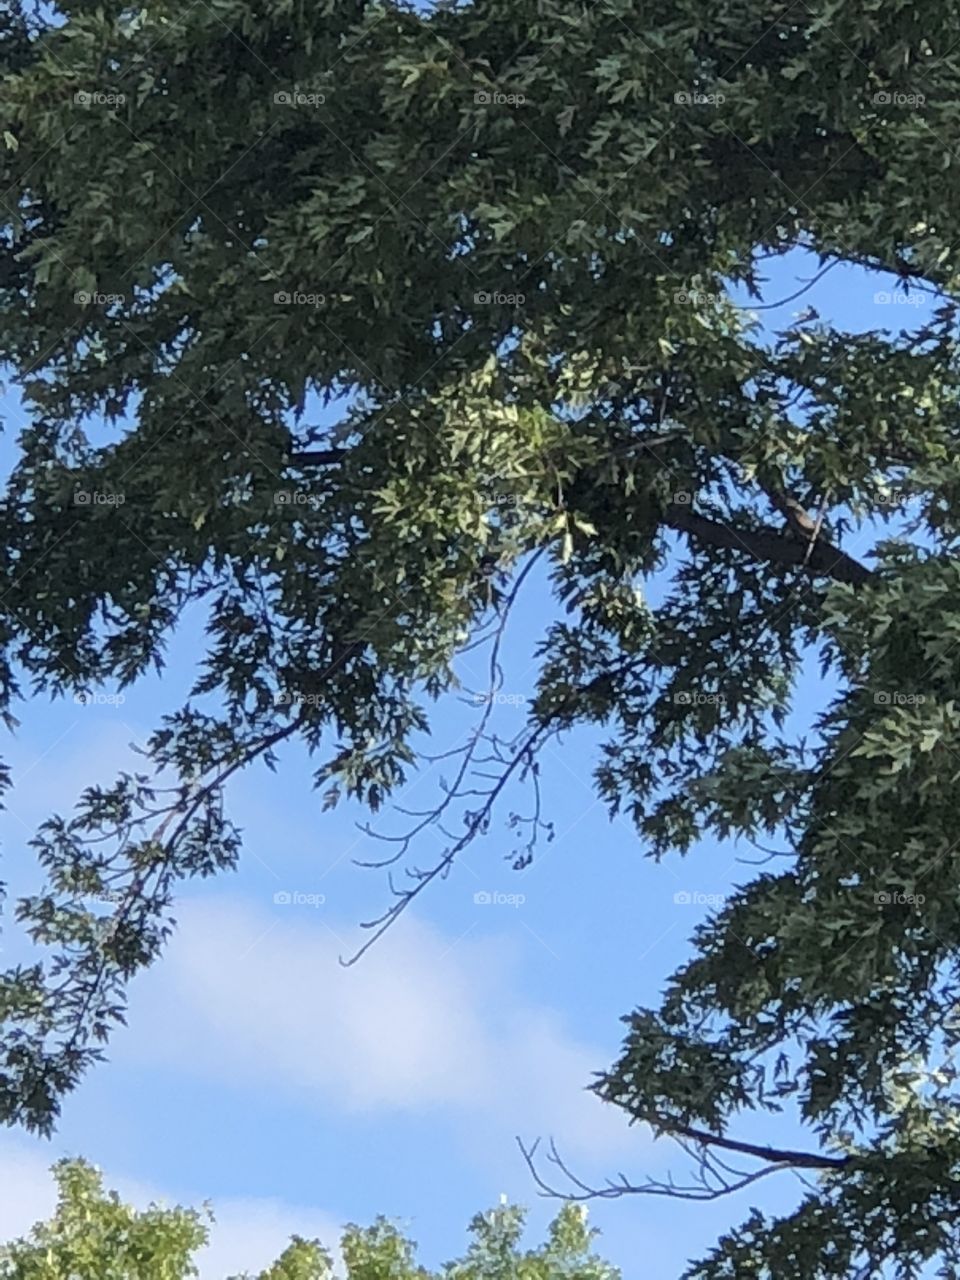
(774, 1155)
(319, 457)
(476, 821)
(185, 809)
(621, 1186)
(771, 306)
(713, 1177)
(815, 533)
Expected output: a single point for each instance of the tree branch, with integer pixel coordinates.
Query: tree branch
(773, 1155)
(318, 457)
(712, 1177)
(819, 557)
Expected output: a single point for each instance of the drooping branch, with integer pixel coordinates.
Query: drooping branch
(521, 762)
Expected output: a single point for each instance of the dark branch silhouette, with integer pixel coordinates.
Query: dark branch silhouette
(712, 1178)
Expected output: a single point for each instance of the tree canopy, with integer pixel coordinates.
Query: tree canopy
(94, 1235)
(518, 235)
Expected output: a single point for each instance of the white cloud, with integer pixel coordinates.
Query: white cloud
(250, 1234)
(426, 1021)
(249, 996)
(246, 1234)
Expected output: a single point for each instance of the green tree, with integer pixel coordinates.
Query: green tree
(94, 1236)
(510, 231)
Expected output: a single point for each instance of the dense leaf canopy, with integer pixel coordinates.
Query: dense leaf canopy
(513, 232)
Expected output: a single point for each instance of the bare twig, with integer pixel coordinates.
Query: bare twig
(713, 1177)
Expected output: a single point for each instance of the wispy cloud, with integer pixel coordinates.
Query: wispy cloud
(257, 997)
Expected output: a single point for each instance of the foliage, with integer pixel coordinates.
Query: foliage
(511, 230)
(94, 1236)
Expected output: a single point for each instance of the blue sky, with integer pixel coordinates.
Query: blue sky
(297, 1095)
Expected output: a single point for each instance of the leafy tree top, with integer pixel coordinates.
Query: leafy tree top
(93, 1235)
(510, 230)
